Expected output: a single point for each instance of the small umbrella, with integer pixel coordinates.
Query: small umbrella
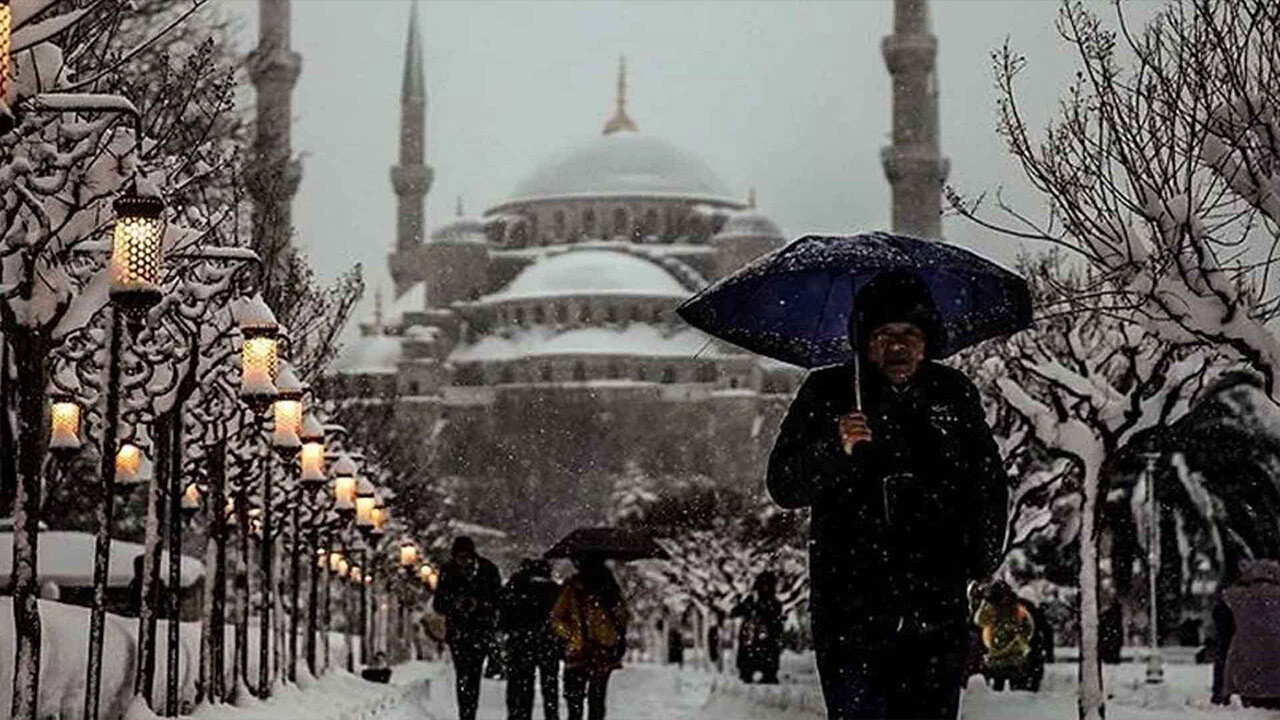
(794, 304)
(610, 542)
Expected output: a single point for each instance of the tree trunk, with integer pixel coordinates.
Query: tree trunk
(314, 596)
(265, 570)
(144, 681)
(106, 499)
(32, 378)
(295, 581)
(218, 600)
(1092, 701)
(176, 488)
(326, 616)
(240, 663)
(8, 450)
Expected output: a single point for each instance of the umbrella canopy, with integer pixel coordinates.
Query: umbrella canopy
(794, 304)
(611, 542)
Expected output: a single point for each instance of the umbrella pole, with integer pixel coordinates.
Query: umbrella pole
(857, 381)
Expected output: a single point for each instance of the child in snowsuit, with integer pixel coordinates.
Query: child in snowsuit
(1007, 633)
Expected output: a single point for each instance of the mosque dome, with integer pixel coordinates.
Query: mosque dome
(593, 272)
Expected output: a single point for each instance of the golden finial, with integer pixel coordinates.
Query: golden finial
(459, 209)
(620, 120)
(377, 310)
(751, 197)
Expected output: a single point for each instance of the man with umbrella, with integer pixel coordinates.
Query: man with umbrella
(908, 493)
(906, 484)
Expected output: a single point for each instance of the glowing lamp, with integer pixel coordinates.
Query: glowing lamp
(312, 437)
(132, 467)
(260, 352)
(191, 498)
(408, 555)
(64, 425)
(355, 574)
(6, 71)
(288, 417)
(335, 560)
(343, 567)
(135, 253)
(344, 486)
(365, 507)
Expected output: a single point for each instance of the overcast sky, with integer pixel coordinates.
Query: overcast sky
(790, 97)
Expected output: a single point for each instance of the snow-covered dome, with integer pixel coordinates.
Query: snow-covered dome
(749, 224)
(594, 272)
(463, 229)
(624, 163)
(375, 354)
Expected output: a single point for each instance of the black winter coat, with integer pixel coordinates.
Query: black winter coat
(526, 603)
(469, 604)
(902, 524)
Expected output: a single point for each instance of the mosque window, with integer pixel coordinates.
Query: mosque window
(508, 375)
(656, 316)
(642, 373)
(539, 314)
(589, 222)
(668, 375)
(584, 314)
(579, 371)
(533, 227)
(611, 314)
(733, 382)
(706, 373)
(546, 372)
(620, 222)
(520, 316)
(468, 375)
(414, 387)
(562, 314)
(695, 229)
(649, 227)
(520, 235)
(615, 370)
(559, 224)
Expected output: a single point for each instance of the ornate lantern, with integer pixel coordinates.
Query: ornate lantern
(335, 560)
(133, 468)
(136, 252)
(312, 437)
(380, 515)
(408, 555)
(344, 486)
(191, 498)
(355, 574)
(428, 576)
(260, 352)
(6, 70)
(366, 501)
(343, 567)
(255, 522)
(64, 425)
(288, 411)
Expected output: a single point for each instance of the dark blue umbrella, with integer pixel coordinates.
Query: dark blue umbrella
(794, 304)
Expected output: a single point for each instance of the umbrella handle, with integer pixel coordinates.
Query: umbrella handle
(857, 381)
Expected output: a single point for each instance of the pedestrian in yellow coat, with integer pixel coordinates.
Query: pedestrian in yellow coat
(590, 617)
(1007, 632)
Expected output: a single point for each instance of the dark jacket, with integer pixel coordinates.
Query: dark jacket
(760, 637)
(469, 604)
(526, 603)
(899, 526)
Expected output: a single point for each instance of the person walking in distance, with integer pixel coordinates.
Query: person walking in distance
(467, 597)
(908, 493)
(590, 617)
(532, 649)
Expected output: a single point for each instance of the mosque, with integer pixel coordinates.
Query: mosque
(537, 343)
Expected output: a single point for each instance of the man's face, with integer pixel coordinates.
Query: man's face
(897, 348)
(466, 561)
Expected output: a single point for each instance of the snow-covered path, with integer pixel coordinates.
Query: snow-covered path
(655, 692)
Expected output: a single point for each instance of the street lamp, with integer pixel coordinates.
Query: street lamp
(133, 468)
(344, 486)
(288, 411)
(191, 498)
(1155, 666)
(260, 356)
(6, 70)
(408, 554)
(366, 503)
(135, 253)
(64, 425)
(312, 437)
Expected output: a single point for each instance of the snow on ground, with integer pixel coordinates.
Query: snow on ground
(659, 692)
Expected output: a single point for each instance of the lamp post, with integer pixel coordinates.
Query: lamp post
(134, 267)
(1155, 669)
(312, 479)
(258, 367)
(285, 438)
(366, 503)
(6, 66)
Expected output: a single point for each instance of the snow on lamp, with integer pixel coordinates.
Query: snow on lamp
(335, 561)
(288, 410)
(132, 467)
(408, 555)
(6, 66)
(364, 513)
(344, 486)
(64, 425)
(191, 498)
(260, 352)
(136, 253)
(312, 459)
